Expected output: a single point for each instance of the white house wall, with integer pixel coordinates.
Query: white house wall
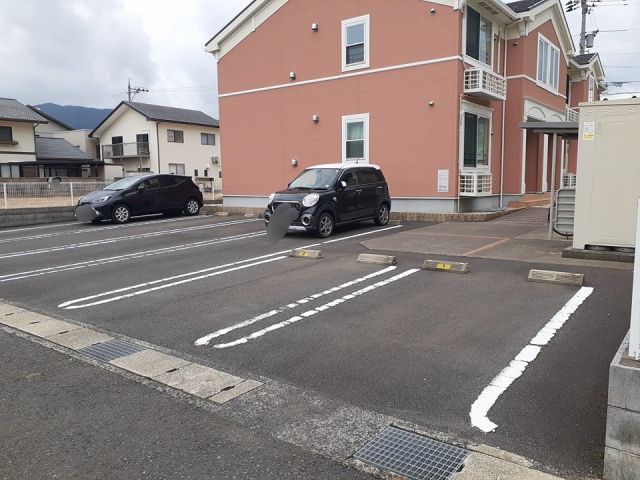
(127, 126)
(191, 153)
(24, 151)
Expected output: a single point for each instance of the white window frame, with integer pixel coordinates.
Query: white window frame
(175, 168)
(591, 89)
(208, 135)
(365, 20)
(548, 83)
(467, 58)
(172, 138)
(346, 120)
(484, 112)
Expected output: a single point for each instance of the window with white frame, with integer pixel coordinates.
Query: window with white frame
(548, 63)
(175, 136)
(207, 138)
(355, 43)
(592, 90)
(476, 137)
(355, 138)
(176, 168)
(6, 135)
(479, 34)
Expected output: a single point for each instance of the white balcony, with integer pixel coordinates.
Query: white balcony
(479, 82)
(474, 184)
(573, 115)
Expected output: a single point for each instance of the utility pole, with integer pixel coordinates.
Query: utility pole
(131, 91)
(585, 11)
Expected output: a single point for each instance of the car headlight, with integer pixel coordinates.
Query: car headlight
(102, 199)
(310, 200)
(271, 197)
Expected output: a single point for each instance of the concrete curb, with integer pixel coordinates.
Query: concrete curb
(377, 259)
(444, 266)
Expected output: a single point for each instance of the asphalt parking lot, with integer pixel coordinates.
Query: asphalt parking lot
(411, 344)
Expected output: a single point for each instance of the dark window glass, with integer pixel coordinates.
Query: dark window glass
(175, 136)
(151, 182)
(167, 181)
(142, 140)
(195, 173)
(367, 176)
(350, 178)
(470, 135)
(6, 134)
(473, 33)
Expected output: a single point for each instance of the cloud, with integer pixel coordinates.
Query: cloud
(70, 52)
(81, 52)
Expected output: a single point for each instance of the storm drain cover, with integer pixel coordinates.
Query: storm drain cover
(107, 351)
(415, 456)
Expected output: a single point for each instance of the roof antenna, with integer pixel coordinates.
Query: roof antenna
(131, 91)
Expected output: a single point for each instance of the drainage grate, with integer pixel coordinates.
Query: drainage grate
(107, 351)
(414, 456)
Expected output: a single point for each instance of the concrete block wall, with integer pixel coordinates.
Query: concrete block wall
(16, 217)
(622, 445)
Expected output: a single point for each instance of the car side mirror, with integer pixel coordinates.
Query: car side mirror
(342, 185)
(140, 188)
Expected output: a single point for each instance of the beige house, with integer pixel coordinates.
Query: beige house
(26, 153)
(138, 137)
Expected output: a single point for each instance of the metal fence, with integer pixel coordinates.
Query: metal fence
(65, 194)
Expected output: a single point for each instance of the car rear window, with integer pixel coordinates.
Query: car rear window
(368, 175)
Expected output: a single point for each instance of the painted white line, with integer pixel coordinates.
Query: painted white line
(67, 305)
(362, 234)
(90, 230)
(516, 367)
(73, 304)
(130, 256)
(48, 225)
(317, 310)
(128, 237)
(206, 339)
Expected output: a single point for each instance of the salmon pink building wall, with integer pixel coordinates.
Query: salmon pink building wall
(411, 140)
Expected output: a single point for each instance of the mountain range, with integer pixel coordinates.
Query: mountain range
(75, 116)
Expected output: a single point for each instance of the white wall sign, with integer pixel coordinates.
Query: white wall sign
(588, 130)
(443, 181)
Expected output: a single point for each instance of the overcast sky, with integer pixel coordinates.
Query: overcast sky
(81, 52)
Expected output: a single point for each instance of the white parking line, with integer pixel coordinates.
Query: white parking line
(124, 238)
(206, 339)
(317, 310)
(528, 354)
(48, 225)
(102, 261)
(73, 304)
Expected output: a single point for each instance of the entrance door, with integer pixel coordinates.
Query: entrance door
(142, 140)
(116, 147)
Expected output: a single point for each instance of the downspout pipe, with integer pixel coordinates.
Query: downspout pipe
(504, 108)
(158, 145)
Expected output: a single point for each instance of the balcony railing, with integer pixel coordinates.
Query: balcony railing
(573, 115)
(483, 83)
(476, 184)
(569, 180)
(124, 150)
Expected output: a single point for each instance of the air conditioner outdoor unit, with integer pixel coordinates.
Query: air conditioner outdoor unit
(216, 160)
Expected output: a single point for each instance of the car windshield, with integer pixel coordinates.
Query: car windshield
(315, 179)
(122, 184)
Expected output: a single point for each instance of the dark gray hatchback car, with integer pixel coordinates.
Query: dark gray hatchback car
(333, 194)
(141, 195)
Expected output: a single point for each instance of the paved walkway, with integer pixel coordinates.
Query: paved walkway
(521, 235)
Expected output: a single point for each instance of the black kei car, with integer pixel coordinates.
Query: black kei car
(140, 195)
(334, 194)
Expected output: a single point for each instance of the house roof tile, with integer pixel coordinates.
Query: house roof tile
(13, 110)
(59, 149)
(172, 114)
(584, 59)
(524, 5)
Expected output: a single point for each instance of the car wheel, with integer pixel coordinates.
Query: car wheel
(325, 225)
(382, 217)
(120, 214)
(192, 207)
